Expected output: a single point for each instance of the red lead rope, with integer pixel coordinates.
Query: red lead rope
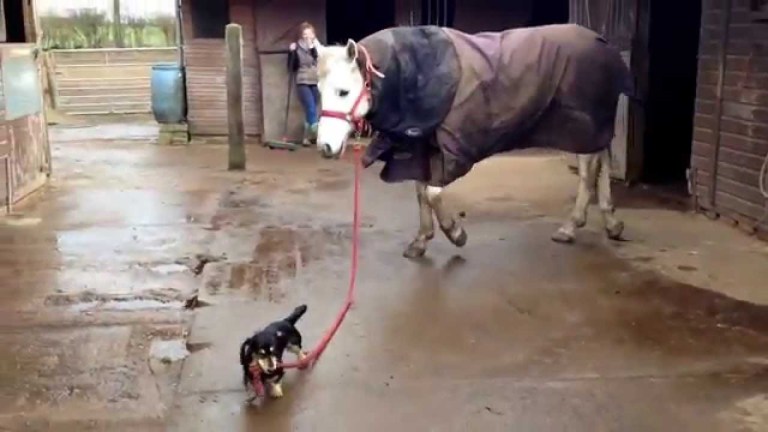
(315, 354)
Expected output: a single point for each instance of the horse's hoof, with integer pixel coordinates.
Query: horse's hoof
(415, 251)
(461, 238)
(456, 235)
(614, 232)
(562, 237)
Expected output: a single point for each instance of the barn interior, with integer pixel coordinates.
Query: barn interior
(344, 18)
(673, 48)
(13, 11)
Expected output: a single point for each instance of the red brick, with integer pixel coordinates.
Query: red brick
(746, 129)
(703, 107)
(746, 95)
(705, 136)
(745, 112)
(706, 92)
(740, 79)
(744, 144)
(709, 48)
(702, 121)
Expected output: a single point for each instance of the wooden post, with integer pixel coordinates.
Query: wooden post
(117, 24)
(234, 38)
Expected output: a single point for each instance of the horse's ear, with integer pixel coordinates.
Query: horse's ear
(351, 50)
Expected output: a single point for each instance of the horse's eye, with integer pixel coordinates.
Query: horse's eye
(343, 93)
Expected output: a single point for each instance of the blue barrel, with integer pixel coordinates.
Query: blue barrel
(168, 93)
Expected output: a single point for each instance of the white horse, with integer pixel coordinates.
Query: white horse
(345, 76)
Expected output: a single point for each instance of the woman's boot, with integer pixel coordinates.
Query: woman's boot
(306, 141)
(313, 134)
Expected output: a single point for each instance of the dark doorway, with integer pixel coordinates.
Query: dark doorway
(14, 21)
(356, 19)
(438, 12)
(673, 56)
(545, 12)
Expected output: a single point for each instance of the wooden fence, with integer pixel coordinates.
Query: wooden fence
(104, 81)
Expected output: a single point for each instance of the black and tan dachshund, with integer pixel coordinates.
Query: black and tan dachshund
(265, 350)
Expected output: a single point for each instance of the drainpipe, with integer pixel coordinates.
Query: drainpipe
(179, 33)
(725, 24)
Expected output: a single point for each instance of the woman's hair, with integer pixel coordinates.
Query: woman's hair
(305, 26)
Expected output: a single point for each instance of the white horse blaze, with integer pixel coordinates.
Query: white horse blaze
(332, 132)
(340, 85)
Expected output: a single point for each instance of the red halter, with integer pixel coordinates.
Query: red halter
(357, 122)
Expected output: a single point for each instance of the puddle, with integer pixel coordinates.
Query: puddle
(204, 260)
(197, 347)
(749, 414)
(687, 268)
(236, 199)
(168, 269)
(90, 301)
(332, 184)
(20, 221)
(280, 253)
(169, 351)
(126, 305)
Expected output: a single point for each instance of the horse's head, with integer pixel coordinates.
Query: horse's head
(344, 97)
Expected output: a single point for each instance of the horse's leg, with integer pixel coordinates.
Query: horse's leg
(448, 224)
(418, 246)
(588, 165)
(613, 226)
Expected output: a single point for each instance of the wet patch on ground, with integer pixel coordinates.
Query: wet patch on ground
(89, 374)
(91, 301)
(531, 310)
(280, 254)
(332, 184)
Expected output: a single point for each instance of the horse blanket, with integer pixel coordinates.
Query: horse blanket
(449, 99)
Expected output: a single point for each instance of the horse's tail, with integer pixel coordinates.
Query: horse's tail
(626, 82)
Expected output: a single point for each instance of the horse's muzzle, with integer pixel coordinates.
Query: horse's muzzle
(327, 152)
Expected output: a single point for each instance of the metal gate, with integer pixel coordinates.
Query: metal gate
(105, 81)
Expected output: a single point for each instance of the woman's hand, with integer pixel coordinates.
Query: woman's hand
(292, 47)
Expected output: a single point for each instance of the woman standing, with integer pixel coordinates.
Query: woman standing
(304, 64)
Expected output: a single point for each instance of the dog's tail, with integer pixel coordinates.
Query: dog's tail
(245, 361)
(297, 313)
(244, 353)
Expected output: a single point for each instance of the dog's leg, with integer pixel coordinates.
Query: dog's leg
(450, 226)
(296, 350)
(613, 226)
(588, 165)
(276, 389)
(418, 246)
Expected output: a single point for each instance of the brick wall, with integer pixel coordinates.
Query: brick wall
(731, 120)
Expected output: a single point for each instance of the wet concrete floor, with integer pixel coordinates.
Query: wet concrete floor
(665, 332)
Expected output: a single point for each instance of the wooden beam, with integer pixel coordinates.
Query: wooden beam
(725, 25)
(117, 23)
(234, 40)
